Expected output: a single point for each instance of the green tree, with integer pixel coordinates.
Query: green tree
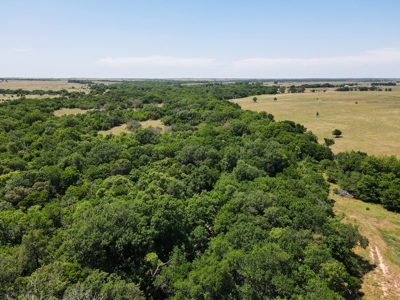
(254, 99)
(329, 142)
(337, 133)
(121, 166)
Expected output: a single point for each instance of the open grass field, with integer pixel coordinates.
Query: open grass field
(54, 85)
(145, 124)
(372, 125)
(69, 111)
(117, 130)
(382, 228)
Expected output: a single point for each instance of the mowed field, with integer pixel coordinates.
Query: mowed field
(372, 125)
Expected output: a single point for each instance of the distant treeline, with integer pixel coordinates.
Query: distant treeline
(235, 90)
(34, 92)
(301, 88)
(341, 80)
(361, 89)
(95, 89)
(384, 83)
(317, 85)
(21, 92)
(296, 89)
(80, 81)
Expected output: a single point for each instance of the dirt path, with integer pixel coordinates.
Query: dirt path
(381, 228)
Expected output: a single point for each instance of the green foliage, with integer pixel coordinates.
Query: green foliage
(329, 142)
(337, 133)
(226, 204)
(369, 178)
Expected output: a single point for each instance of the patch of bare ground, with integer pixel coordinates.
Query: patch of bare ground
(379, 226)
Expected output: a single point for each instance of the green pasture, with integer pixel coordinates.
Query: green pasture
(370, 121)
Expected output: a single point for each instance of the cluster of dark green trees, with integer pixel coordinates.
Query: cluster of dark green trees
(362, 89)
(369, 178)
(227, 204)
(391, 83)
(296, 89)
(21, 92)
(80, 81)
(318, 85)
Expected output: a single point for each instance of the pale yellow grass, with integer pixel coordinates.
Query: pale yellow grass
(153, 123)
(117, 130)
(54, 85)
(382, 228)
(372, 125)
(69, 111)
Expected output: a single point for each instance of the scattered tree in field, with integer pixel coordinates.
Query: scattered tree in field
(275, 99)
(337, 133)
(317, 114)
(254, 99)
(329, 142)
(389, 89)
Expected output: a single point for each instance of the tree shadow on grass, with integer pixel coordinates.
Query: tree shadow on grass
(366, 267)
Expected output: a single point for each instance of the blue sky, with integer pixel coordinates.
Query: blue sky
(200, 38)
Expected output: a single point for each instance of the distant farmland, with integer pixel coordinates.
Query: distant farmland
(54, 85)
(372, 125)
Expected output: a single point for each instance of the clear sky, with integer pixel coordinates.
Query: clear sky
(200, 38)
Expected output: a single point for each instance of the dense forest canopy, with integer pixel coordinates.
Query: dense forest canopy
(226, 204)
